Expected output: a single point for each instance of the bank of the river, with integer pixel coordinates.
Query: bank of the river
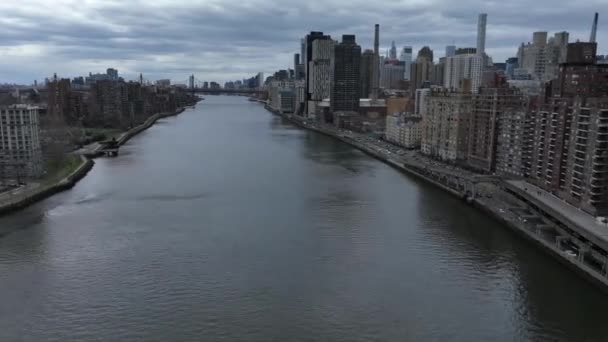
(44, 190)
(28, 197)
(488, 206)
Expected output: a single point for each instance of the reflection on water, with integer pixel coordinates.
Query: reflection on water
(228, 224)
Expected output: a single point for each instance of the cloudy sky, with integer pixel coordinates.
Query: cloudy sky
(222, 40)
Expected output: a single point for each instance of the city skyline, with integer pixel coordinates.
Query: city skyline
(214, 40)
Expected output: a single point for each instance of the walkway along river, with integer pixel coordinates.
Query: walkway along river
(228, 223)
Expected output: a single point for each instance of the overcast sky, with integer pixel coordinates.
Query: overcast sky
(223, 40)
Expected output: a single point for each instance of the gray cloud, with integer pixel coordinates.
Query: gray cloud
(222, 40)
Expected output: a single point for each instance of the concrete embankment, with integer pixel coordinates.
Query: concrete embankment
(23, 200)
(30, 197)
(517, 227)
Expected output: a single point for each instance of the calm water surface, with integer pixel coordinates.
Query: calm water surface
(228, 224)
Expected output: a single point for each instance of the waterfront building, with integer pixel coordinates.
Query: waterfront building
(586, 178)
(514, 143)
(552, 126)
(445, 127)
(488, 107)
(307, 57)
(404, 130)
(320, 69)
(345, 83)
(286, 96)
(366, 73)
(20, 142)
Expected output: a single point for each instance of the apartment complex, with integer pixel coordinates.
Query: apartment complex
(345, 82)
(20, 152)
(445, 127)
(487, 108)
(585, 179)
(404, 130)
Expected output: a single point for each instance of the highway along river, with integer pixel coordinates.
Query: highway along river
(227, 223)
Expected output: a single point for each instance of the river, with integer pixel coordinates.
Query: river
(227, 223)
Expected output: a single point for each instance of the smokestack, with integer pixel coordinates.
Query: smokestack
(594, 28)
(375, 74)
(481, 33)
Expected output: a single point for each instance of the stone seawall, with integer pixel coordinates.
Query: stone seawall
(48, 190)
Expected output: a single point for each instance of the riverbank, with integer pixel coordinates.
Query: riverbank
(28, 197)
(496, 206)
(19, 199)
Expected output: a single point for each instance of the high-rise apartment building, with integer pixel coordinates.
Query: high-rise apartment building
(541, 58)
(20, 152)
(445, 127)
(514, 142)
(346, 69)
(586, 177)
(552, 128)
(580, 75)
(465, 66)
(489, 106)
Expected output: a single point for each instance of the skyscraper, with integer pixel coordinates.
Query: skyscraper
(366, 73)
(345, 85)
(375, 73)
(421, 70)
(463, 66)
(391, 74)
(393, 51)
(540, 58)
(406, 57)
(481, 33)
(296, 61)
(320, 74)
(450, 50)
(307, 59)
